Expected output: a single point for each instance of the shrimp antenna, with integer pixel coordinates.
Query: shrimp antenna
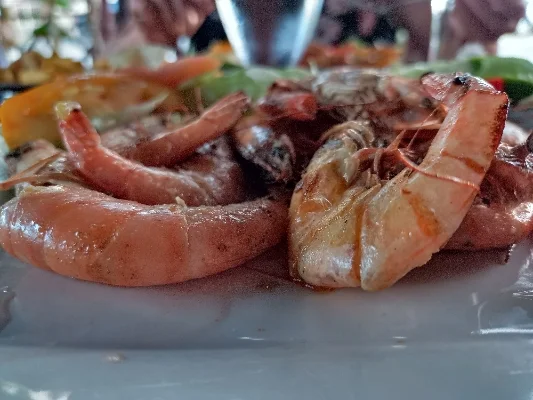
(272, 119)
(420, 127)
(198, 100)
(395, 144)
(30, 173)
(377, 161)
(409, 164)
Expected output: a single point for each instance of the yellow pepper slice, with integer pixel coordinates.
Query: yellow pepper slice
(107, 99)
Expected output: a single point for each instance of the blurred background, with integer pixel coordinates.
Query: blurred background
(85, 30)
(34, 24)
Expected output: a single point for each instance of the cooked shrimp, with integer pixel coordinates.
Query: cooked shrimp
(123, 138)
(126, 179)
(388, 101)
(174, 74)
(257, 141)
(282, 134)
(169, 148)
(348, 228)
(502, 213)
(88, 235)
(298, 105)
(214, 169)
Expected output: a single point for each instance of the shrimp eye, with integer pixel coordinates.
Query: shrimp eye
(461, 79)
(427, 103)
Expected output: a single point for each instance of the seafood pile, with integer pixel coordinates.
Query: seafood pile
(365, 175)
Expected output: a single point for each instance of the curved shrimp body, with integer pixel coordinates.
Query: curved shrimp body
(378, 232)
(126, 179)
(169, 148)
(418, 213)
(87, 235)
(214, 170)
(502, 213)
(326, 210)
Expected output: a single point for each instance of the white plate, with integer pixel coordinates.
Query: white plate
(461, 328)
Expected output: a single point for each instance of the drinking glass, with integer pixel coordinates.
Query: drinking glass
(269, 32)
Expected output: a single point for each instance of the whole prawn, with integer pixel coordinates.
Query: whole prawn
(350, 228)
(206, 179)
(79, 232)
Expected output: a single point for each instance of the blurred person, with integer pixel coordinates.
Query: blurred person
(151, 21)
(163, 21)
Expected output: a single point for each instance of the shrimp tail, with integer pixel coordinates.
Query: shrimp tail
(76, 129)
